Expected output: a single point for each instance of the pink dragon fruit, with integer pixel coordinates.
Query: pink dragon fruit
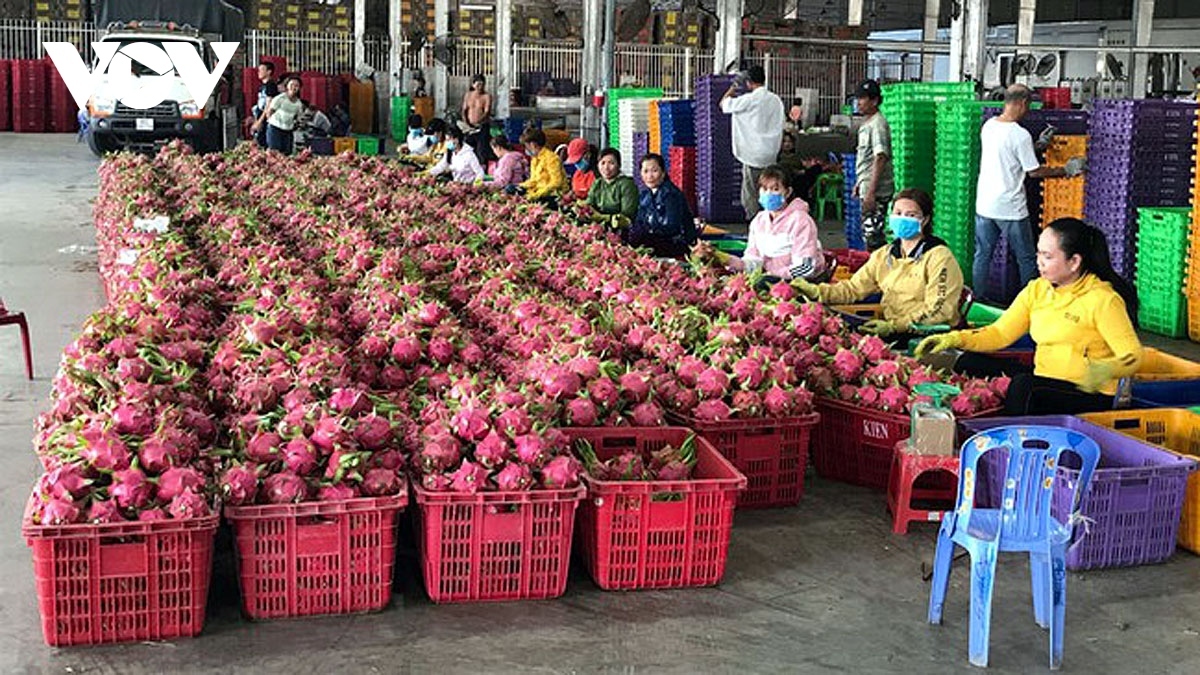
(337, 492)
(471, 423)
(349, 402)
(873, 348)
(847, 365)
(962, 405)
(777, 402)
(407, 351)
(373, 432)
(782, 291)
(713, 383)
(634, 386)
(802, 401)
(807, 325)
(627, 466)
(134, 370)
(869, 396)
(1000, 385)
(514, 422)
(431, 314)
(177, 480)
(560, 383)
(847, 392)
(301, 456)
(894, 399)
(435, 482)
(604, 392)
(675, 470)
(104, 511)
(380, 482)
(747, 403)
(188, 504)
(131, 489)
(58, 511)
(441, 350)
(883, 373)
(373, 347)
(530, 450)
(561, 473)
(514, 477)
(328, 433)
(263, 448)
(492, 450)
(749, 372)
(689, 369)
(439, 453)
(285, 488)
(646, 414)
(64, 482)
(129, 419)
(239, 485)
(155, 456)
(469, 478)
(581, 412)
(713, 410)
(389, 459)
(586, 367)
(152, 514)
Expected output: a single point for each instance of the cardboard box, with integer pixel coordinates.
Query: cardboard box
(933, 432)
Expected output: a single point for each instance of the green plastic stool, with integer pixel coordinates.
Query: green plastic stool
(829, 191)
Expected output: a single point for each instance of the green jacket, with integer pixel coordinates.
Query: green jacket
(618, 196)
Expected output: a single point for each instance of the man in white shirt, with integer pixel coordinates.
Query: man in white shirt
(1006, 157)
(757, 132)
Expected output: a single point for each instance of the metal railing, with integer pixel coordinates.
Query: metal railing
(833, 77)
(324, 52)
(23, 38)
(674, 69)
(563, 59)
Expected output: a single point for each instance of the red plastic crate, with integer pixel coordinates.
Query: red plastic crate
(855, 444)
(61, 111)
(657, 534)
(122, 582)
(772, 453)
(316, 557)
(495, 545)
(314, 88)
(849, 258)
(29, 96)
(5, 95)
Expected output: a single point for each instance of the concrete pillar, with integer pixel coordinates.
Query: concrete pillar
(360, 29)
(593, 50)
(727, 50)
(1143, 24)
(504, 76)
(968, 35)
(440, 80)
(395, 50)
(929, 34)
(607, 76)
(1026, 16)
(854, 13)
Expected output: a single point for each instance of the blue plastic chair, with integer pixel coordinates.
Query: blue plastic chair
(1023, 522)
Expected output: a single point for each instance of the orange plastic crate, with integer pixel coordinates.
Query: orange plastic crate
(771, 452)
(346, 144)
(495, 545)
(122, 582)
(316, 557)
(657, 534)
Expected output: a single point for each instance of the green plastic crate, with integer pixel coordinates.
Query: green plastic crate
(368, 145)
(983, 315)
(401, 109)
(1163, 318)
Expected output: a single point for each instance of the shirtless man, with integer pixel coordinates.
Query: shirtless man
(477, 118)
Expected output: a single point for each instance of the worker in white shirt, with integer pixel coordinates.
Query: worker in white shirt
(757, 131)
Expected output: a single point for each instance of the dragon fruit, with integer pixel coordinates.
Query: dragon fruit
(328, 433)
(131, 489)
(469, 478)
(104, 450)
(441, 350)
(155, 456)
(530, 450)
(514, 422)
(439, 453)
(177, 480)
(713, 410)
(373, 432)
(134, 370)
(868, 396)
(239, 485)
(285, 487)
(514, 477)
(337, 492)
(776, 402)
(492, 450)
(560, 382)
(349, 402)
(581, 412)
(104, 511)
(873, 348)
(847, 365)
(301, 456)
(188, 504)
(634, 386)
(747, 403)
(431, 314)
(561, 473)
(883, 373)
(152, 514)
(627, 466)
(471, 423)
(749, 372)
(130, 419)
(389, 459)
(64, 482)
(435, 482)
(894, 399)
(646, 414)
(380, 482)
(407, 351)
(713, 383)
(263, 448)
(604, 392)
(58, 511)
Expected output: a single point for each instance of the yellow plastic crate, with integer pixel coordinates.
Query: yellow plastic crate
(347, 144)
(1177, 430)
(1157, 366)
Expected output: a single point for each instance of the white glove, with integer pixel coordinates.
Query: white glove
(1075, 166)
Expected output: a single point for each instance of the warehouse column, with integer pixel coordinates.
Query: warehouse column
(504, 81)
(929, 34)
(360, 29)
(1143, 25)
(440, 80)
(968, 36)
(593, 50)
(727, 52)
(395, 55)
(1026, 17)
(854, 13)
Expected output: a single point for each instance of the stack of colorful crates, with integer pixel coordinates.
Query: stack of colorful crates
(910, 109)
(614, 97)
(5, 95)
(655, 129)
(634, 119)
(853, 214)
(1140, 153)
(29, 95)
(401, 106)
(1063, 197)
(676, 126)
(62, 111)
(956, 171)
(718, 173)
(1192, 289)
(1162, 243)
(641, 147)
(682, 169)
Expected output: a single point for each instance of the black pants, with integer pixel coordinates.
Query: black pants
(481, 142)
(1030, 394)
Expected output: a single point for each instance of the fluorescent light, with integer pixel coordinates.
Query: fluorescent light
(475, 8)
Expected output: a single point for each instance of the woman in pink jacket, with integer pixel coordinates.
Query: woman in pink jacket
(783, 239)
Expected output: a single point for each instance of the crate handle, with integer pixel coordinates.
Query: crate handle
(1128, 423)
(315, 520)
(123, 539)
(629, 441)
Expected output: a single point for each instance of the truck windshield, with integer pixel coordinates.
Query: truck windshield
(140, 70)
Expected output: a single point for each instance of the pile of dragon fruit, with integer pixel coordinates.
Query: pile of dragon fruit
(323, 328)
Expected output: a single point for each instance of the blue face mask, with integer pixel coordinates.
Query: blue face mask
(905, 227)
(771, 201)
(582, 165)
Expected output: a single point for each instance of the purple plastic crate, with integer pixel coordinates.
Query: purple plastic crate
(1133, 502)
(1004, 275)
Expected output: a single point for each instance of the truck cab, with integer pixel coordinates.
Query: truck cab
(113, 125)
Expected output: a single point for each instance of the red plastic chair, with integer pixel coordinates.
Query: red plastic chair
(8, 318)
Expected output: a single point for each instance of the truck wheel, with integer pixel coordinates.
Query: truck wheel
(101, 144)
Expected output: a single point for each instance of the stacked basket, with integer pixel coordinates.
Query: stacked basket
(634, 119)
(854, 233)
(1192, 289)
(1162, 242)
(1063, 197)
(910, 110)
(681, 166)
(641, 147)
(676, 127)
(1139, 154)
(614, 98)
(956, 171)
(718, 173)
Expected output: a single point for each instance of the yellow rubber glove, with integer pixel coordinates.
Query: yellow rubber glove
(937, 343)
(880, 327)
(806, 288)
(620, 221)
(1098, 374)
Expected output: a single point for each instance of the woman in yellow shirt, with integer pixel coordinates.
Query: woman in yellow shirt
(547, 180)
(1080, 314)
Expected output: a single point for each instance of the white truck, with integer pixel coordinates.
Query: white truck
(209, 125)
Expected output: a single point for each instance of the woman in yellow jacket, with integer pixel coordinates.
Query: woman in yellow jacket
(920, 280)
(547, 179)
(1080, 314)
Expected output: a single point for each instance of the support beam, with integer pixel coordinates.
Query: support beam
(1143, 25)
(727, 51)
(395, 49)
(593, 50)
(360, 29)
(1026, 17)
(504, 80)
(440, 79)
(968, 37)
(607, 65)
(929, 34)
(854, 13)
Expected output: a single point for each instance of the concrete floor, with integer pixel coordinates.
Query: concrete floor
(824, 587)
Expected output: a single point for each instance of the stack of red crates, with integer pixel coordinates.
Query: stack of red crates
(682, 161)
(5, 95)
(29, 96)
(61, 113)
(1058, 98)
(314, 88)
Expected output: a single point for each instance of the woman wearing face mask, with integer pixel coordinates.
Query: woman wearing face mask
(664, 222)
(280, 117)
(459, 161)
(428, 148)
(511, 167)
(1079, 312)
(582, 155)
(783, 237)
(919, 278)
(547, 180)
(613, 196)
